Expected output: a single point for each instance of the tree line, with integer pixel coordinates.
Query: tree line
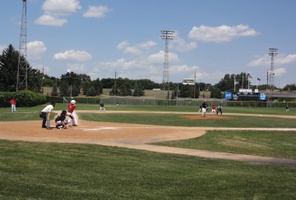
(73, 84)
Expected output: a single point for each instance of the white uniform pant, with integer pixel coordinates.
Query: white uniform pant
(203, 112)
(71, 117)
(13, 108)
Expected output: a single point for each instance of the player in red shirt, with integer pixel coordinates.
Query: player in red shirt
(70, 112)
(213, 109)
(13, 105)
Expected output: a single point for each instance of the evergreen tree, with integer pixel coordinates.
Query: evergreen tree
(91, 91)
(124, 90)
(113, 91)
(54, 91)
(8, 69)
(8, 72)
(138, 91)
(85, 87)
(75, 90)
(216, 93)
(64, 89)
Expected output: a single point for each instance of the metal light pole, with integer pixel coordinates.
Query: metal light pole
(166, 35)
(272, 53)
(22, 65)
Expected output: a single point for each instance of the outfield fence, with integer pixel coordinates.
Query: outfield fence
(173, 102)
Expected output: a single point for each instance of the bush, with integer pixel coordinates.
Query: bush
(24, 98)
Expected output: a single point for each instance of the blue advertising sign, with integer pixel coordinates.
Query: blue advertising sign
(228, 95)
(262, 96)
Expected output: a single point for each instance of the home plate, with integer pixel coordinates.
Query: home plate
(101, 128)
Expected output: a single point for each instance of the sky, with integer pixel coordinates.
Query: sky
(102, 38)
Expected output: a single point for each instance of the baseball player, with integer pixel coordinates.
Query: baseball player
(102, 106)
(13, 104)
(213, 109)
(70, 113)
(287, 108)
(199, 110)
(45, 115)
(204, 107)
(61, 121)
(219, 109)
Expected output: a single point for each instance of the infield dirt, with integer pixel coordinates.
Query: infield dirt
(133, 136)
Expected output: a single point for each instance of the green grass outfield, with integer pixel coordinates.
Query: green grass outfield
(74, 171)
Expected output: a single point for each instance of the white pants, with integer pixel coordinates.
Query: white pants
(13, 108)
(71, 117)
(203, 112)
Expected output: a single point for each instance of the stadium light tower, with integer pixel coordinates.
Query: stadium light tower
(272, 53)
(22, 65)
(166, 35)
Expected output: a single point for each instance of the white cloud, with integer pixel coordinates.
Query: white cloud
(61, 7)
(221, 33)
(41, 67)
(280, 71)
(55, 12)
(146, 45)
(136, 49)
(2, 47)
(159, 57)
(181, 45)
(50, 20)
(73, 55)
(133, 51)
(184, 69)
(286, 59)
(150, 67)
(121, 63)
(279, 60)
(77, 67)
(122, 45)
(96, 11)
(260, 62)
(36, 50)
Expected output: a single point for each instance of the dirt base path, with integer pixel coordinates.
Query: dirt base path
(132, 136)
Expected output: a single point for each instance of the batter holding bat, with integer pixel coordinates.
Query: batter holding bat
(71, 114)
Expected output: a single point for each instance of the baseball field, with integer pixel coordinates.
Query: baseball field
(131, 152)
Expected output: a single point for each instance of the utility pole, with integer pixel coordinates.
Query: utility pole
(115, 84)
(166, 35)
(234, 83)
(267, 77)
(22, 66)
(43, 80)
(242, 81)
(194, 84)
